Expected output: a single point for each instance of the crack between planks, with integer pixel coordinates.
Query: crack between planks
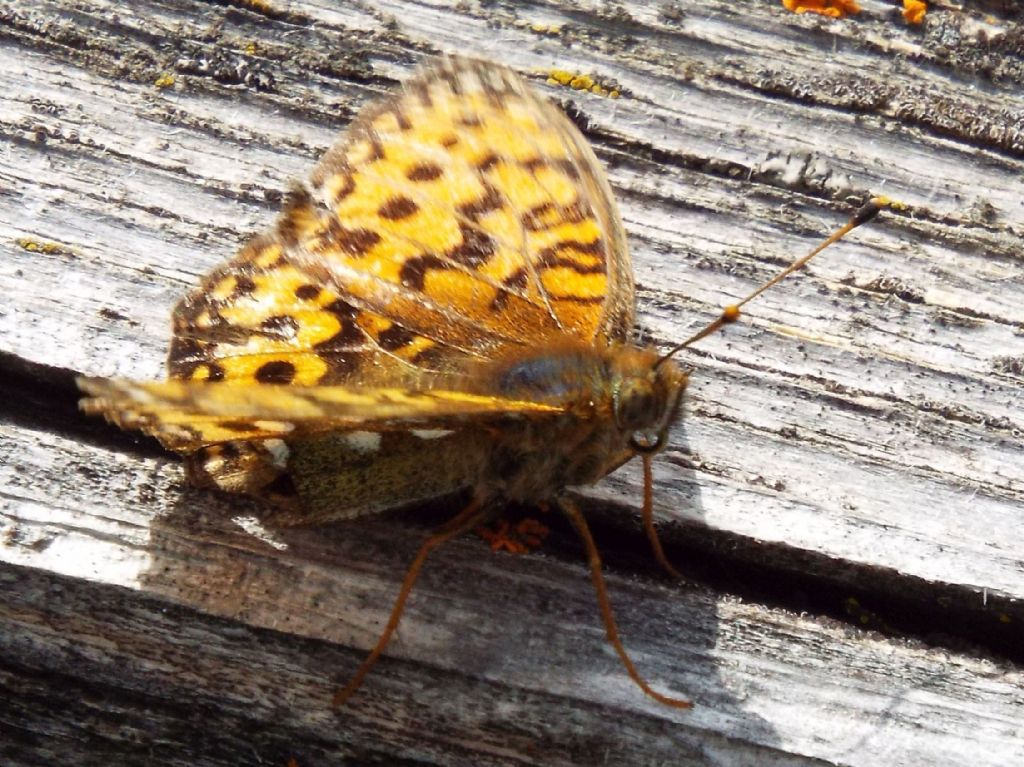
(41, 397)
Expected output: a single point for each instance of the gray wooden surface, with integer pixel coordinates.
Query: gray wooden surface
(858, 437)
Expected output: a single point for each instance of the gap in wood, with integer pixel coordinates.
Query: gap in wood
(884, 600)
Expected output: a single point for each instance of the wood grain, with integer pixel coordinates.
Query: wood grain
(857, 436)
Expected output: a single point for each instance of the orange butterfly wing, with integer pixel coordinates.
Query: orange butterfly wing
(457, 219)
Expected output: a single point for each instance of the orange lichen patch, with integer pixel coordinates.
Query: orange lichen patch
(532, 532)
(914, 11)
(835, 9)
(580, 82)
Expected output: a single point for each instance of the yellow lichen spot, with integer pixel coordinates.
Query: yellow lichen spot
(166, 80)
(546, 29)
(835, 9)
(250, 48)
(49, 248)
(559, 77)
(914, 11)
(583, 82)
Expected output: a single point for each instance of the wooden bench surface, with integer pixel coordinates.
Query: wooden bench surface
(845, 492)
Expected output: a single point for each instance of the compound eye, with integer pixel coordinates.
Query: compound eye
(636, 406)
(642, 443)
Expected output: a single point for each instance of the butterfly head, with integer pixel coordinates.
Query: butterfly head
(646, 398)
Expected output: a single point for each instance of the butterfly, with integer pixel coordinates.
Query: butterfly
(445, 307)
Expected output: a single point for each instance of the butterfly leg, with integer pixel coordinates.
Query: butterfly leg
(465, 520)
(648, 516)
(594, 560)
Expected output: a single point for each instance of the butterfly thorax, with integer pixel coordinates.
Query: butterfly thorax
(617, 401)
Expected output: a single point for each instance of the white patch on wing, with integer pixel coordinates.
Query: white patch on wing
(279, 453)
(363, 441)
(141, 396)
(279, 426)
(213, 464)
(431, 433)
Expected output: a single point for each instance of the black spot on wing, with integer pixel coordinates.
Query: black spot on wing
(397, 208)
(394, 338)
(489, 201)
(414, 271)
(476, 247)
(348, 334)
(424, 171)
(275, 372)
(307, 292)
(356, 242)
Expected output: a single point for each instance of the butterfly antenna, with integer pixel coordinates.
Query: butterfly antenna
(731, 313)
(460, 523)
(611, 630)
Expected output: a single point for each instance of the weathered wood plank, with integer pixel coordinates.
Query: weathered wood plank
(868, 412)
(500, 660)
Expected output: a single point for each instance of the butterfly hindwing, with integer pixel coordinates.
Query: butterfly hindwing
(341, 475)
